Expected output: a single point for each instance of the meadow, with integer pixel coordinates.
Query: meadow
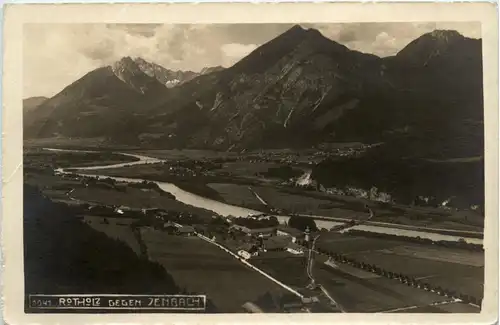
(201, 267)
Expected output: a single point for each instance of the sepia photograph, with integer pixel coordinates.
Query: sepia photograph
(260, 167)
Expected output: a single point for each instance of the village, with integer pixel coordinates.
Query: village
(259, 235)
(195, 244)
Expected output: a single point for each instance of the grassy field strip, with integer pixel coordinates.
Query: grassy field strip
(467, 279)
(366, 251)
(421, 288)
(415, 307)
(250, 265)
(465, 258)
(409, 227)
(236, 194)
(397, 225)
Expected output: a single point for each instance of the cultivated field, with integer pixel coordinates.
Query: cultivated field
(453, 269)
(201, 267)
(237, 194)
(465, 279)
(117, 228)
(289, 270)
(378, 294)
(347, 244)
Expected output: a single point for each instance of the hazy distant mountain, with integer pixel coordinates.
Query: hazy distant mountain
(299, 89)
(32, 102)
(166, 77)
(102, 103)
(211, 69)
(105, 102)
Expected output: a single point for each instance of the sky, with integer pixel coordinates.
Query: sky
(55, 55)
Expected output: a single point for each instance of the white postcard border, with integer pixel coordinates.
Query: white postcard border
(18, 14)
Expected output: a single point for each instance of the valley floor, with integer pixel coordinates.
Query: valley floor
(199, 267)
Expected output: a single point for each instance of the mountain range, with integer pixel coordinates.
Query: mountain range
(298, 90)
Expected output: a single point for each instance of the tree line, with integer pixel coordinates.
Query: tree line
(64, 255)
(408, 280)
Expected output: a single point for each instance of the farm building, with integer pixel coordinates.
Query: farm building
(267, 231)
(290, 302)
(186, 230)
(310, 300)
(169, 224)
(203, 229)
(295, 249)
(102, 210)
(246, 255)
(249, 248)
(289, 232)
(151, 211)
(124, 210)
(275, 244)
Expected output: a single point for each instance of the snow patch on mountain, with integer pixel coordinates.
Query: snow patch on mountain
(172, 83)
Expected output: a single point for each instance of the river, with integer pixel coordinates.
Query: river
(225, 209)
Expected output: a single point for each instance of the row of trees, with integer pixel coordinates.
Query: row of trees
(257, 222)
(301, 223)
(405, 279)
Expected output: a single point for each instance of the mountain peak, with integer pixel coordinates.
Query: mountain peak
(443, 34)
(431, 45)
(269, 53)
(313, 31)
(124, 63)
(297, 29)
(439, 38)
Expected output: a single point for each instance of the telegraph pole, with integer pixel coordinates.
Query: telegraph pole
(310, 260)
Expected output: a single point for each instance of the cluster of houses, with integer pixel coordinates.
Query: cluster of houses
(254, 238)
(269, 239)
(161, 217)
